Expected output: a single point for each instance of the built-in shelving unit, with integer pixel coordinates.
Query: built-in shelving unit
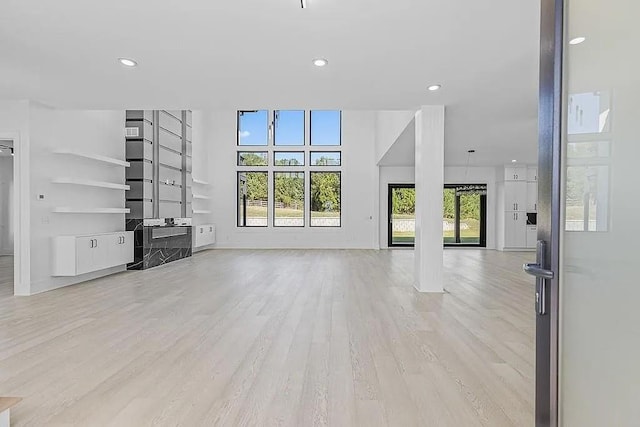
(198, 181)
(197, 211)
(91, 210)
(96, 157)
(89, 183)
(201, 197)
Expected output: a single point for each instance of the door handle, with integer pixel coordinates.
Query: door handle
(536, 270)
(541, 274)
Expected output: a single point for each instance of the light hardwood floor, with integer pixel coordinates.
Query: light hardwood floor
(279, 337)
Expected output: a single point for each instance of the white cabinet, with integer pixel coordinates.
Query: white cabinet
(515, 196)
(515, 173)
(519, 196)
(204, 235)
(515, 230)
(532, 236)
(532, 197)
(76, 255)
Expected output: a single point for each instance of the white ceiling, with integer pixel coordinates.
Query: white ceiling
(257, 54)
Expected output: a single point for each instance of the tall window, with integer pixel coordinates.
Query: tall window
(289, 184)
(253, 196)
(288, 193)
(325, 199)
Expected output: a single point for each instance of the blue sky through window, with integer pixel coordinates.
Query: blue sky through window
(325, 128)
(289, 127)
(253, 127)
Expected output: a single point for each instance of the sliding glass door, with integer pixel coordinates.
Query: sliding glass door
(402, 215)
(464, 221)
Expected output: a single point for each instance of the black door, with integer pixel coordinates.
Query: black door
(402, 215)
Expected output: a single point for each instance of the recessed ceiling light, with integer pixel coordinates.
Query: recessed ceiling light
(127, 62)
(320, 62)
(577, 40)
(514, 161)
(433, 88)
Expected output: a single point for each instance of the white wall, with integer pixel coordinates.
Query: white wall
(359, 189)
(391, 175)
(389, 126)
(200, 163)
(97, 132)
(478, 175)
(6, 205)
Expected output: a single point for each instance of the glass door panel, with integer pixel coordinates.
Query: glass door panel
(464, 212)
(402, 215)
(470, 219)
(599, 341)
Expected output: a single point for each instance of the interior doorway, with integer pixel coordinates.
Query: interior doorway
(402, 215)
(7, 219)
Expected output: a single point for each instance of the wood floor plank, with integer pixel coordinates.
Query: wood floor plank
(277, 338)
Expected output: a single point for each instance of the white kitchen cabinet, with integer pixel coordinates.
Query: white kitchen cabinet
(515, 173)
(515, 230)
(532, 197)
(204, 235)
(532, 236)
(519, 195)
(76, 255)
(515, 196)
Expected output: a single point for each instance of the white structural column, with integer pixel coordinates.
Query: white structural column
(429, 189)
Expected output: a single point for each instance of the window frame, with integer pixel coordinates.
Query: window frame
(311, 195)
(482, 239)
(311, 144)
(304, 129)
(238, 113)
(271, 169)
(311, 153)
(304, 199)
(238, 173)
(252, 151)
(275, 152)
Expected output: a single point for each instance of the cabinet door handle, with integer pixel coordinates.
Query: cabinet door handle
(91, 243)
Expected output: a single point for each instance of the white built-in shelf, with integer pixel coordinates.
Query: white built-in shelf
(96, 157)
(195, 211)
(200, 196)
(89, 183)
(92, 210)
(198, 181)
